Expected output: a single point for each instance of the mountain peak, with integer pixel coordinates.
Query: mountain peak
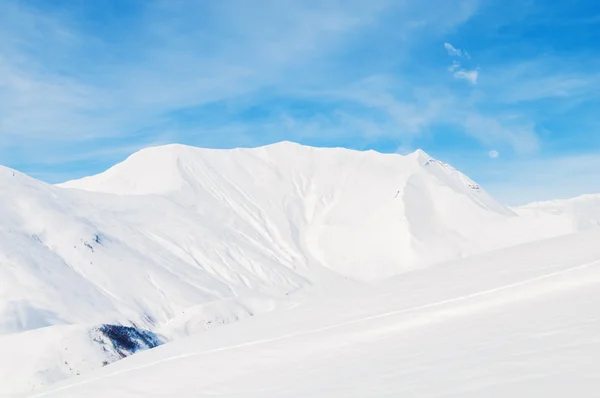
(420, 155)
(193, 226)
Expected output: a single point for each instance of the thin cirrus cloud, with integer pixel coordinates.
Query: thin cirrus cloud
(63, 82)
(458, 72)
(469, 75)
(80, 87)
(455, 65)
(66, 81)
(453, 51)
(533, 179)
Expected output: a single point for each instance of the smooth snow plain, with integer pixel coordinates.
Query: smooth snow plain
(360, 265)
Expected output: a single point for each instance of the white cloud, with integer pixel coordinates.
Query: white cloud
(62, 81)
(455, 65)
(457, 71)
(469, 75)
(173, 66)
(452, 50)
(493, 154)
(490, 130)
(543, 78)
(406, 116)
(378, 112)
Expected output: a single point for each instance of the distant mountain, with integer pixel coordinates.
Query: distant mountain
(583, 210)
(176, 238)
(365, 215)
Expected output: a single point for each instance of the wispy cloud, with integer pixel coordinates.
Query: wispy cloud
(81, 90)
(458, 72)
(545, 77)
(453, 51)
(532, 179)
(63, 83)
(519, 134)
(469, 75)
(67, 82)
(455, 66)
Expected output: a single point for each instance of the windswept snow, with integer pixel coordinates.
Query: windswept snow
(177, 239)
(519, 322)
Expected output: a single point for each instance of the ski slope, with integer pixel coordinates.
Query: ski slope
(517, 322)
(177, 240)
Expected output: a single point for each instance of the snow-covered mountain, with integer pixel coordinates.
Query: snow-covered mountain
(364, 215)
(584, 210)
(518, 322)
(178, 239)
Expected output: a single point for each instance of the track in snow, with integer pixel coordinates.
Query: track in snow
(389, 314)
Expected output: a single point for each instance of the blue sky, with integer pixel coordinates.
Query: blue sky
(506, 91)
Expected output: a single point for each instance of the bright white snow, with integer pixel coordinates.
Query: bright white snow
(179, 239)
(521, 322)
(39, 357)
(583, 210)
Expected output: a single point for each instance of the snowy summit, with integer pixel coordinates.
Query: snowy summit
(177, 240)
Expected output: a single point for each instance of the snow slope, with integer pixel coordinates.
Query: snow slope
(40, 357)
(583, 210)
(518, 322)
(72, 257)
(364, 215)
(178, 239)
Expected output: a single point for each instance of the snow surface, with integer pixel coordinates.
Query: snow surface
(583, 210)
(177, 240)
(520, 322)
(44, 356)
(365, 215)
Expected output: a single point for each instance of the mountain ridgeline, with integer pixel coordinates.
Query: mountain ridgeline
(177, 239)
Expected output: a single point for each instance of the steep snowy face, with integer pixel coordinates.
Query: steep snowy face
(34, 279)
(365, 215)
(174, 227)
(70, 257)
(179, 239)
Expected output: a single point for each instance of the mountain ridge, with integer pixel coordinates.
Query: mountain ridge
(176, 239)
